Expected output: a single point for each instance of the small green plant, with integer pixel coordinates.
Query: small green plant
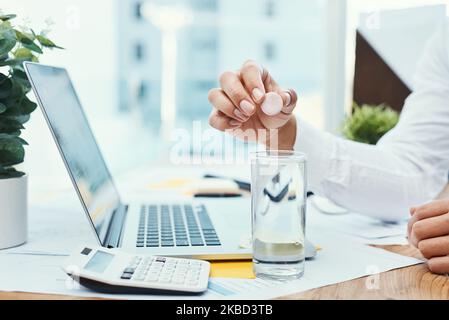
(368, 123)
(16, 46)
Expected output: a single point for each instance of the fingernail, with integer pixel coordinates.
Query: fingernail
(258, 94)
(289, 98)
(240, 115)
(235, 123)
(247, 107)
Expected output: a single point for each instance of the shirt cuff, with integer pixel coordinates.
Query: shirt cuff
(317, 145)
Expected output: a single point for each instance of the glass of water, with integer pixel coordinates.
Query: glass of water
(279, 194)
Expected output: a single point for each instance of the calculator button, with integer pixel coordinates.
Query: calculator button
(129, 270)
(152, 278)
(164, 279)
(178, 280)
(181, 268)
(155, 269)
(126, 276)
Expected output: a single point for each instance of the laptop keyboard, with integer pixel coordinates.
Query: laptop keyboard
(175, 226)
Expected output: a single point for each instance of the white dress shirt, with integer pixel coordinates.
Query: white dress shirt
(409, 166)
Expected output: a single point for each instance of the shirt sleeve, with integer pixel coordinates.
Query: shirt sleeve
(409, 166)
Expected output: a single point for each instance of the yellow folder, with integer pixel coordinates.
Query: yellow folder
(232, 269)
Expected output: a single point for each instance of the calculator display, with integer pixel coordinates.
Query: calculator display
(99, 262)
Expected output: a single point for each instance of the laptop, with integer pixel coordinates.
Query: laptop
(210, 230)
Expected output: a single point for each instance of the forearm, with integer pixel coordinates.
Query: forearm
(371, 180)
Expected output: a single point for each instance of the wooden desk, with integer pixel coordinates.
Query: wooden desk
(408, 283)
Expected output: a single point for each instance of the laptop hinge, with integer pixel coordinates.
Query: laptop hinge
(114, 234)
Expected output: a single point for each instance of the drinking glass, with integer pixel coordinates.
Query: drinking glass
(279, 194)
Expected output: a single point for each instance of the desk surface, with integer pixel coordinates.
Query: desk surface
(414, 282)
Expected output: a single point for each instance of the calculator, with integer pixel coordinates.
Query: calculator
(113, 271)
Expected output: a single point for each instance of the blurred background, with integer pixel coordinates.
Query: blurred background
(144, 67)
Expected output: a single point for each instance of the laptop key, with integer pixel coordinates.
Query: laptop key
(213, 243)
(182, 243)
(152, 245)
(197, 241)
(168, 243)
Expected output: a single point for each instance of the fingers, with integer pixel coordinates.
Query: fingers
(426, 211)
(253, 79)
(236, 92)
(429, 228)
(222, 122)
(222, 103)
(439, 265)
(435, 247)
(432, 209)
(290, 99)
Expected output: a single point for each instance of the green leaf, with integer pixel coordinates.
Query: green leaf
(5, 86)
(23, 53)
(5, 136)
(28, 42)
(11, 150)
(11, 62)
(6, 17)
(6, 45)
(19, 107)
(14, 89)
(19, 118)
(2, 108)
(10, 125)
(8, 38)
(27, 105)
(45, 42)
(10, 173)
(21, 78)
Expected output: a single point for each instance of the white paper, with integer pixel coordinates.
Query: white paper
(55, 230)
(339, 260)
(355, 224)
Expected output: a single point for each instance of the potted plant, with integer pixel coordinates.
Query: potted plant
(16, 46)
(368, 124)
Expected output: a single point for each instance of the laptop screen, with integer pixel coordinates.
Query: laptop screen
(84, 161)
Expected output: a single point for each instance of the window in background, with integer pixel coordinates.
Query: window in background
(270, 8)
(138, 10)
(285, 36)
(139, 52)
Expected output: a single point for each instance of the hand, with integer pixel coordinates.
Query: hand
(428, 230)
(237, 107)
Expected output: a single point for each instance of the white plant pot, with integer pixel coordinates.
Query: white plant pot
(13, 212)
